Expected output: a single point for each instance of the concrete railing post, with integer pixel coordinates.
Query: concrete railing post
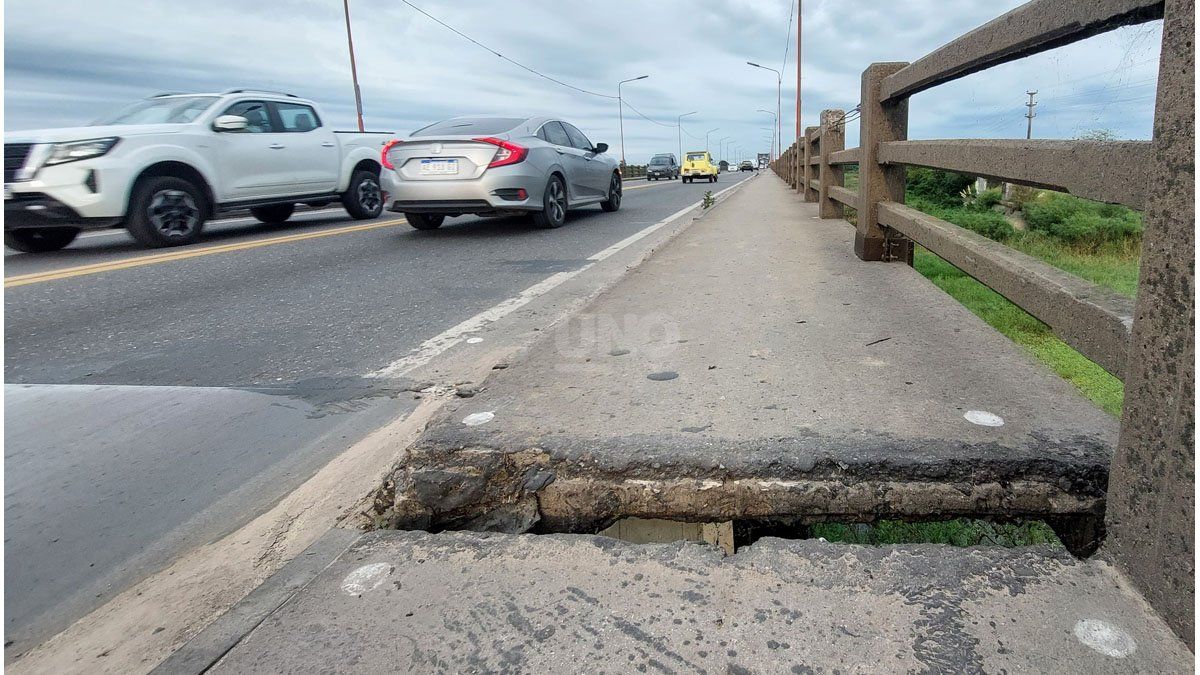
(806, 169)
(833, 138)
(1151, 499)
(797, 155)
(879, 123)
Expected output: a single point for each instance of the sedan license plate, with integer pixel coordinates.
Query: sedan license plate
(439, 167)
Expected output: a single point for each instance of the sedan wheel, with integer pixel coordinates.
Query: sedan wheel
(554, 205)
(614, 195)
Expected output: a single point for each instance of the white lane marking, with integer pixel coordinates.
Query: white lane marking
(223, 221)
(456, 334)
(983, 418)
(366, 578)
(1105, 638)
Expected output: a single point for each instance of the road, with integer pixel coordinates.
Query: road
(157, 400)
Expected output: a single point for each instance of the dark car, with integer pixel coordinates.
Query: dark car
(745, 166)
(662, 166)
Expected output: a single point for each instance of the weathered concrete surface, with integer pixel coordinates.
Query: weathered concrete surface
(1083, 168)
(465, 602)
(1032, 28)
(1152, 507)
(754, 368)
(879, 123)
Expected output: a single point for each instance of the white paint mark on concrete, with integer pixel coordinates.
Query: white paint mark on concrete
(456, 334)
(474, 340)
(983, 418)
(1105, 638)
(366, 578)
(475, 419)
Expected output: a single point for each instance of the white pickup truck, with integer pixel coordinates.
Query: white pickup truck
(163, 166)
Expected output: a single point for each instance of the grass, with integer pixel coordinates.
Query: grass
(961, 532)
(1094, 382)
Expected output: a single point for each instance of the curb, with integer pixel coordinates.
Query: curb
(211, 644)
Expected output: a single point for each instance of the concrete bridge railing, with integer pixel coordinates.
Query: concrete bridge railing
(1149, 343)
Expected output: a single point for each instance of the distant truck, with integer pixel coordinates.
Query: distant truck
(163, 166)
(764, 160)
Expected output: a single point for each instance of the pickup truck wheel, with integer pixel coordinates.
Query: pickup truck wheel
(40, 240)
(276, 213)
(425, 221)
(364, 198)
(166, 211)
(554, 205)
(614, 195)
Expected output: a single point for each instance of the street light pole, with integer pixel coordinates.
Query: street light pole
(353, 66)
(621, 112)
(679, 133)
(721, 148)
(706, 149)
(775, 130)
(778, 94)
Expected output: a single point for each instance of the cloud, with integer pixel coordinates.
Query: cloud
(413, 71)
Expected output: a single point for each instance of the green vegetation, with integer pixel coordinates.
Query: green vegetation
(1093, 381)
(961, 532)
(1097, 242)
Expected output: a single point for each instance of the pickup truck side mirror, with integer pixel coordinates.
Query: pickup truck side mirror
(600, 147)
(230, 123)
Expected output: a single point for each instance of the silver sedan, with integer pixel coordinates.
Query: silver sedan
(539, 166)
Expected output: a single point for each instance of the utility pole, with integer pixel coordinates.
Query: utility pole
(706, 137)
(1030, 114)
(353, 66)
(799, 33)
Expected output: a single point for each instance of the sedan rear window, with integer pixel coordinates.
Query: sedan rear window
(470, 126)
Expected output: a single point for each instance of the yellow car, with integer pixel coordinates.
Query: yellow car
(699, 165)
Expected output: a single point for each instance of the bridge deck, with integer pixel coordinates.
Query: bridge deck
(754, 368)
(468, 602)
(808, 383)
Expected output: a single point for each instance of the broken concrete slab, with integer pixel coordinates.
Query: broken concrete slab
(469, 602)
(810, 385)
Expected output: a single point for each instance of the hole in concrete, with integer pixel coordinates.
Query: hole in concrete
(733, 535)
(956, 532)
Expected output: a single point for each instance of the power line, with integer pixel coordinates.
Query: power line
(787, 45)
(643, 116)
(493, 51)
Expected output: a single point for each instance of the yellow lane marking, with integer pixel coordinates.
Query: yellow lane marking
(183, 254)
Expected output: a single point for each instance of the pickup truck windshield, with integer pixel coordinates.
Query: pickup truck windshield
(166, 110)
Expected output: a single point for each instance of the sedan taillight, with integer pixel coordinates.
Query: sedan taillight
(509, 153)
(383, 158)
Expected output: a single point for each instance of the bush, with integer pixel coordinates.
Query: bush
(940, 187)
(1079, 222)
(989, 198)
(986, 222)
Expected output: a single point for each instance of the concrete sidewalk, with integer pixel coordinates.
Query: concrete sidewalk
(750, 369)
(754, 368)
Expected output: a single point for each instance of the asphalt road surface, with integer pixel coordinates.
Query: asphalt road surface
(157, 400)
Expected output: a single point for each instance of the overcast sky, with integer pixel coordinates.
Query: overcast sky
(61, 72)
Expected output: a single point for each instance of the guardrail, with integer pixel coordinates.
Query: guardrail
(633, 170)
(1150, 344)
